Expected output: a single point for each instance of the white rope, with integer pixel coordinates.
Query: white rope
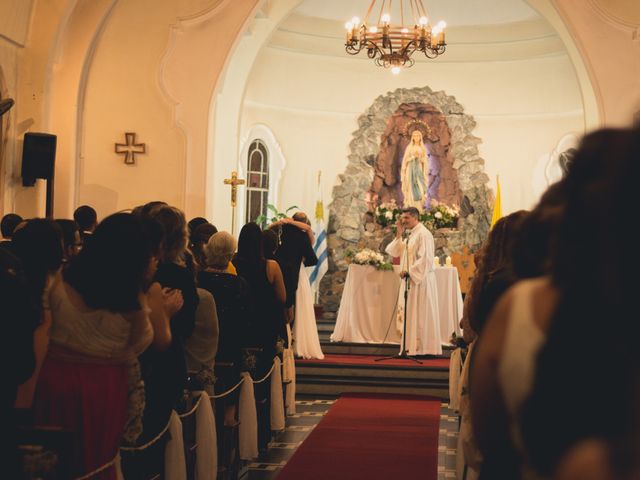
(190, 412)
(228, 392)
(267, 375)
(157, 437)
(148, 444)
(100, 469)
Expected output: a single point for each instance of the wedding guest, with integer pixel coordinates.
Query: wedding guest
(591, 333)
(195, 223)
(7, 226)
(199, 239)
(87, 220)
(201, 347)
(270, 244)
(493, 277)
(494, 274)
(267, 289)
(232, 297)
(71, 239)
(267, 321)
(99, 327)
(23, 311)
(165, 372)
(548, 312)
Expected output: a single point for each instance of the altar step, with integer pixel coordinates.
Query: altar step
(317, 377)
(325, 329)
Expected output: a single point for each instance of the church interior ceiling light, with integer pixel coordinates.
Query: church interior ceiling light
(391, 44)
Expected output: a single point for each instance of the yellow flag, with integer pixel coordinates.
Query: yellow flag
(319, 204)
(497, 205)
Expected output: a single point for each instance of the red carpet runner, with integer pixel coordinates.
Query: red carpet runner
(371, 436)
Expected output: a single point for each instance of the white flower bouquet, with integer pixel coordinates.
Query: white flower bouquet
(369, 257)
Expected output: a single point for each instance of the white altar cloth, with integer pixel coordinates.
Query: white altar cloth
(369, 299)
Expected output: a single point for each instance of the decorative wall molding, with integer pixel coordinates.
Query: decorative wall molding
(277, 162)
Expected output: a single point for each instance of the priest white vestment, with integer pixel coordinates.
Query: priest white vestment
(423, 326)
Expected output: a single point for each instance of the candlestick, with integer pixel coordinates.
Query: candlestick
(448, 261)
(436, 261)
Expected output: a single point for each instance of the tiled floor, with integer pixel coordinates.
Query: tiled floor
(309, 414)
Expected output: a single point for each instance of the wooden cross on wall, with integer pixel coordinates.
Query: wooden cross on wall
(131, 148)
(234, 181)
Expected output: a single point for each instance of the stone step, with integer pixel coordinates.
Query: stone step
(322, 379)
(381, 349)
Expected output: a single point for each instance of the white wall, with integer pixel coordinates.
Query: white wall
(15, 16)
(312, 102)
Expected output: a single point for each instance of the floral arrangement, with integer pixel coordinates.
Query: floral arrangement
(368, 257)
(387, 213)
(440, 215)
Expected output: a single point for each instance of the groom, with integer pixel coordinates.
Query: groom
(415, 246)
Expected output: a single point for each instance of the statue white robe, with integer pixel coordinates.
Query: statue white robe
(423, 325)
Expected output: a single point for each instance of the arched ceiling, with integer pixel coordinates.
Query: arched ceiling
(454, 12)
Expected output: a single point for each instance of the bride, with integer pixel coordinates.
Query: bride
(306, 342)
(414, 173)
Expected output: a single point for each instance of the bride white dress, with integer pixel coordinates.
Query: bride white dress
(305, 332)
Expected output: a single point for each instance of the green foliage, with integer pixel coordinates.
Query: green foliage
(264, 220)
(387, 213)
(440, 215)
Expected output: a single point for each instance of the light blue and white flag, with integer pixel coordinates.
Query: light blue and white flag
(320, 247)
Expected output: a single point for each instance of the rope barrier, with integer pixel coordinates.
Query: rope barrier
(100, 469)
(266, 376)
(228, 392)
(164, 430)
(190, 412)
(148, 444)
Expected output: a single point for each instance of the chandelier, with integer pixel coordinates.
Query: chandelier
(392, 45)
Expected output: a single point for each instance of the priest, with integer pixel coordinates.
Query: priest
(415, 246)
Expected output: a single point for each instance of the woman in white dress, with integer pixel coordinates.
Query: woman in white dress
(306, 343)
(305, 331)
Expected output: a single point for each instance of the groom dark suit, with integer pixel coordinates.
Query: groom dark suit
(294, 247)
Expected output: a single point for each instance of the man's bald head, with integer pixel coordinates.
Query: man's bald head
(301, 217)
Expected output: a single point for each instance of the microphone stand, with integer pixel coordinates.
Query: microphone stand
(407, 281)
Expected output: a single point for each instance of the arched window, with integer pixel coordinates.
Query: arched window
(257, 180)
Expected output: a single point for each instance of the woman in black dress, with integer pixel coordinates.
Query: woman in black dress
(267, 291)
(267, 318)
(232, 296)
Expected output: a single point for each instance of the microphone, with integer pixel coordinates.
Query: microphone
(5, 105)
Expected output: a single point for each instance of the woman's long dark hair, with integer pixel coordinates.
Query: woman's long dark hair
(110, 272)
(495, 257)
(588, 369)
(250, 247)
(38, 245)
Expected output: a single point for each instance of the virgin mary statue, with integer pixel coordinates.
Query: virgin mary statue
(414, 173)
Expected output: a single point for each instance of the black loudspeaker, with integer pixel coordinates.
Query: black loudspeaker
(38, 157)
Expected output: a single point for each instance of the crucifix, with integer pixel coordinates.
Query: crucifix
(234, 181)
(130, 148)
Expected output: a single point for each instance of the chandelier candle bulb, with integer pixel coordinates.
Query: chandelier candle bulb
(434, 38)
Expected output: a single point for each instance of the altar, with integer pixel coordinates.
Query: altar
(369, 300)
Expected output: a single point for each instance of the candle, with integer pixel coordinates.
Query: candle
(448, 261)
(434, 38)
(436, 261)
